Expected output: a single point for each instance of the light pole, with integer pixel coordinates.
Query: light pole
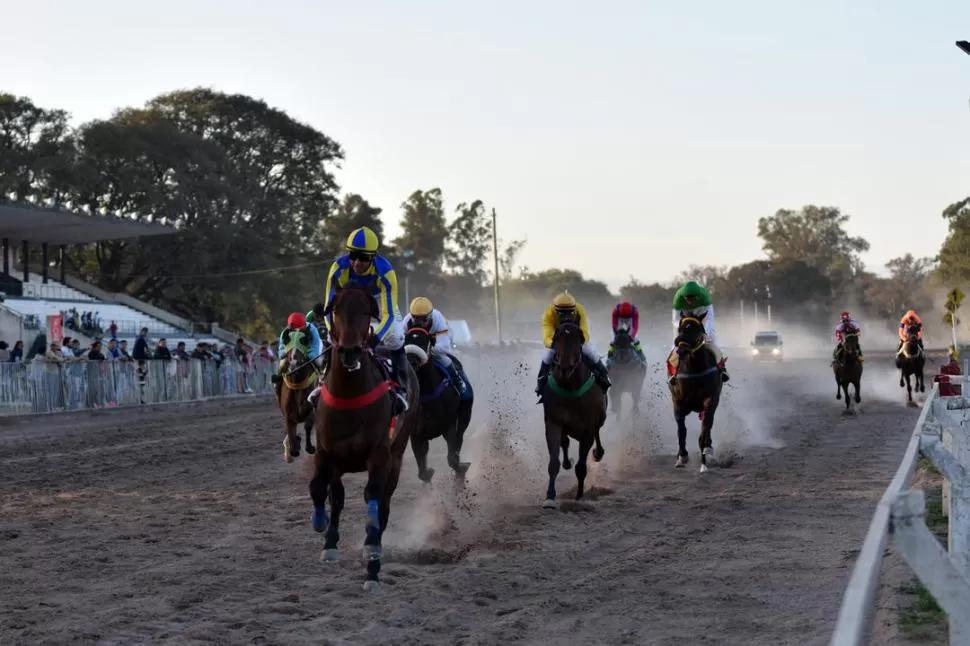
(768, 302)
(495, 282)
(756, 292)
(408, 268)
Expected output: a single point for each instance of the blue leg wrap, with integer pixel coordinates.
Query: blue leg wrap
(320, 519)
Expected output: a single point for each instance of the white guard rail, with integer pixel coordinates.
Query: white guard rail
(941, 436)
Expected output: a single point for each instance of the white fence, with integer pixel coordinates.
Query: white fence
(45, 387)
(940, 436)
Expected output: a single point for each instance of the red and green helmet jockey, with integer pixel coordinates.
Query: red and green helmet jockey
(693, 299)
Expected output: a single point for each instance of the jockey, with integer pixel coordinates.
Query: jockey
(846, 324)
(626, 316)
(362, 266)
(565, 308)
(692, 299)
(910, 318)
(422, 314)
(295, 323)
(318, 319)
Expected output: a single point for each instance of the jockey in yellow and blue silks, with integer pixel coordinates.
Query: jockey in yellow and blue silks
(362, 266)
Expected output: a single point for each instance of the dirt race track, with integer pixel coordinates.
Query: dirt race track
(184, 526)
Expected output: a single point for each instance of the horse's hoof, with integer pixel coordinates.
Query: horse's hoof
(296, 452)
(372, 586)
(330, 556)
(548, 503)
(463, 468)
(426, 476)
(287, 457)
(902, 384)
(703, 468)
(598, 454)
(310, 450)
(319, 519)
(681, 462)
(567, 464)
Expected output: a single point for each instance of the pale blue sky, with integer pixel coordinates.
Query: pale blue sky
(610, 135)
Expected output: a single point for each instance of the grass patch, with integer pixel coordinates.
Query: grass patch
(920, 615)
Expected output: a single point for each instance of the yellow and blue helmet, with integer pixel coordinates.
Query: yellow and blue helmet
(363, 240)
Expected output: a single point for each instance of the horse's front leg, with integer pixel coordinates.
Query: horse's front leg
(922, 384)
(330, 546)
(454, 440)
(599, 451)
(858, 391)
(420, 448)
(322, 474)
(554, 434)
(567, 464)
(838, 387)
(681, 418)
(584, 446)
(308, 427)
(704, 441)
(377, 467)
(909, 390)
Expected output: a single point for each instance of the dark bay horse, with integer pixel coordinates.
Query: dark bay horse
(911, 361)
(627, 373)
(573, 407)
(291, 397)
(444, 413)
(695, 389)
(848, 369)
(355, 428)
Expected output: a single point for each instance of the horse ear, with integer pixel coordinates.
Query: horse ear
(702, 316)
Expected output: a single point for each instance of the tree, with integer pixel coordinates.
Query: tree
(469, 243)
(507, 258)
(953, 301)
(815, 235)
(425, 230)
(647, 298)
(352, 213)
(955, 252)
(710, 276)
(35, 149)
(905, 287)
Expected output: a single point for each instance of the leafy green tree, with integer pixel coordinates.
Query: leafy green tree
(815, 235)
(35, 149)
(955, 252)
(352, 213)
(508, 256)
(425, 231)
(652, 298)
(469, 243)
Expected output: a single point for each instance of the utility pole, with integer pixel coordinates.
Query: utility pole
(495, 285)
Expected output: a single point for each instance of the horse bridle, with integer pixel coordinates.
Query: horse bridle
(685, 344)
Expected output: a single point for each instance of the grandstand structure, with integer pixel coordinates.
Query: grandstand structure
(28, 295)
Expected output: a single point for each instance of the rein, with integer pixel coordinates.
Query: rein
(353, 403)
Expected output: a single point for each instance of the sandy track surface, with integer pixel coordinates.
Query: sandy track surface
(184, 526)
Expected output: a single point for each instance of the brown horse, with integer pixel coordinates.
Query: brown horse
(848, 369)
(291, 398)
(573, 407)
(911, 361)
(628, 373)
(695, 389)
(356, 431)
(444, 413)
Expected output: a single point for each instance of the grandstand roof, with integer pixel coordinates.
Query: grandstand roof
(19, 221)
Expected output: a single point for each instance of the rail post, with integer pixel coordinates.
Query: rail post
(951, 454)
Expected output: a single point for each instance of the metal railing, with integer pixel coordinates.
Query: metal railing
(939, 435)
(46, 387)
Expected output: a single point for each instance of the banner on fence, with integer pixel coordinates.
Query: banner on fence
(55, 328)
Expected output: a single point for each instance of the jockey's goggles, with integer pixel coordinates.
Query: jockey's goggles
(421, 321)
(360, 256)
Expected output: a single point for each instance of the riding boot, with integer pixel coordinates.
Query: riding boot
(320, 364)
(541, 380)
(456, 379)
(399, 362)
(277, 377)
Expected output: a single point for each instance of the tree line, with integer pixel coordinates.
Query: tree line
(254, 196)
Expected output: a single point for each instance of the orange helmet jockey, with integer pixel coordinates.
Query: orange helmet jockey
(910, 318)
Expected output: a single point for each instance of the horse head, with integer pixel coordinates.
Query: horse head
(850, 344)
(417, 345)
(352, 309)
(567, 345)
(622, 340)
(690, 335)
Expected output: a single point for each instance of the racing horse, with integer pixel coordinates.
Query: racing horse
(444, 413)
(292, 392)
(696, 388)
(356, 428)
(848, 369)
(573, 407)
(628, 373)
(910, 361)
